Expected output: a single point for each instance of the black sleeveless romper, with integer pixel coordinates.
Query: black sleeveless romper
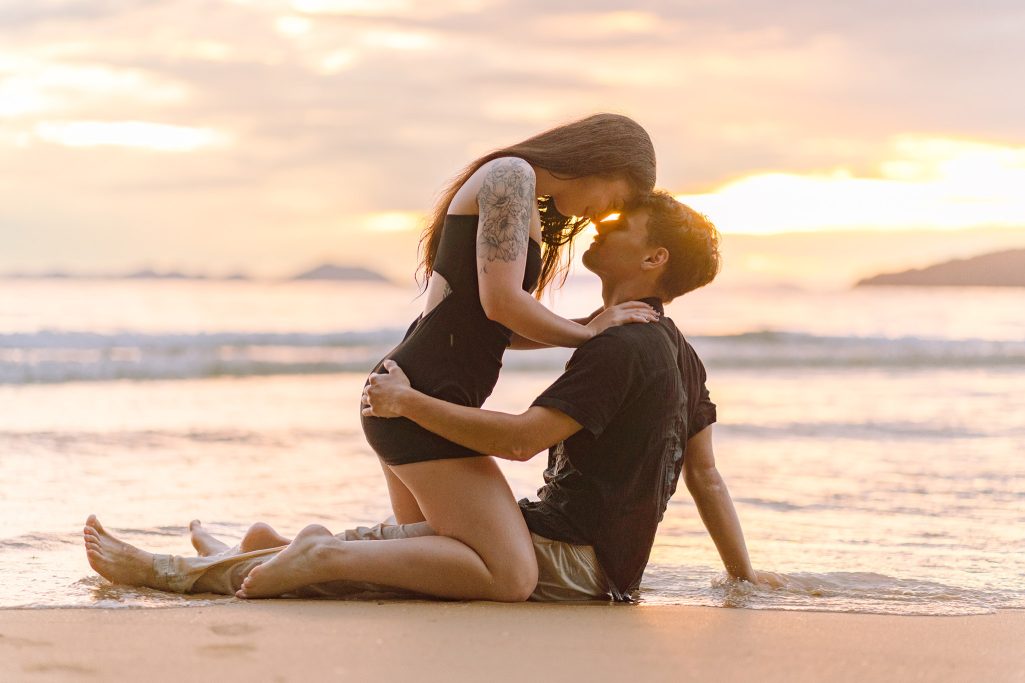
(453, 353)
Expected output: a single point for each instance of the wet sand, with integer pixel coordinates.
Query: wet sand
(291, 640)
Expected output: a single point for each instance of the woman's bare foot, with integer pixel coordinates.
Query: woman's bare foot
(203, 542)
(262, 536)
(115, 560)
(298, 565)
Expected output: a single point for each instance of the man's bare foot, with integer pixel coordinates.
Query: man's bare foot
(262, 536)
(298, 565)
(115, 560)
(203, 542)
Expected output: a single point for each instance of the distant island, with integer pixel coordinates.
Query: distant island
(329, 271)
(145, 274)
(149, 274)
(999, 269)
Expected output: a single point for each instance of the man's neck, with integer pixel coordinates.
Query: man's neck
(613, 293)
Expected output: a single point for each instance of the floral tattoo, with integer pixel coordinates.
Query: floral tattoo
(506, 200)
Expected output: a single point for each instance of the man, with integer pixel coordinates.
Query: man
(629, 415)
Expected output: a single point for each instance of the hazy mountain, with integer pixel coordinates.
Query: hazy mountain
(998, 269)
(326, 271)
(144, 274)
(149, 274)
(329, 271)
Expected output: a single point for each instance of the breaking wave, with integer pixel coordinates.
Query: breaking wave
(59, 356)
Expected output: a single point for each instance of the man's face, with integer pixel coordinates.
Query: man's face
(620, 246)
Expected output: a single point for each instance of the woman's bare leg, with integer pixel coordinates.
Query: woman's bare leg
(403, 502)
(203, 542)
(484, 550)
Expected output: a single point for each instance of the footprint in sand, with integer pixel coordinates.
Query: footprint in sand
(60, 667)
(226, 649)
(23, 642)
(233, 629)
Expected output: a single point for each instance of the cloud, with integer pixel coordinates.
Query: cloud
(135, 134)
(21, 15)
(341, 108)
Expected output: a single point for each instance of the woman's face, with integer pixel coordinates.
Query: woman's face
(593, 197)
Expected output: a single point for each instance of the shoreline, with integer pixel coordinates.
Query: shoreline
(297, 640)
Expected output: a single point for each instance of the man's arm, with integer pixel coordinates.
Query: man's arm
(715, 506)
(512, 437)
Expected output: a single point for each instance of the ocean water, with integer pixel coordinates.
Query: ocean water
(872, 439)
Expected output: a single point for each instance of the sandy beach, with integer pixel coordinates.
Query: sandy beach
(381, 641)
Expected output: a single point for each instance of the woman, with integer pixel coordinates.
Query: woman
(482, 257)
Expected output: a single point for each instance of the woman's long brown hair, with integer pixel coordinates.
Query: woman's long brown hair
(608, 145)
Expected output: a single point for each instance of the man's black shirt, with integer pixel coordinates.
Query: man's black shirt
(639, 392)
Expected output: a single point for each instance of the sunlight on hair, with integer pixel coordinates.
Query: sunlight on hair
(139, 134)
(927, 183)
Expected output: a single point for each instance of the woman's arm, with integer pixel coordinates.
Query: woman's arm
(506, 201)
(521, 343)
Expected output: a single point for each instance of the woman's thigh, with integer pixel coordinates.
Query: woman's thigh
(403, 503)
(468, 499)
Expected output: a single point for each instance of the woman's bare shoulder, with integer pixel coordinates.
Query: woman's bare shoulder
(512, 173)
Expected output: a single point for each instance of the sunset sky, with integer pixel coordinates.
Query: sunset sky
(267, 135)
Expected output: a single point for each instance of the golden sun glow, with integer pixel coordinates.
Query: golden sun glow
(391, 221)
(927, 183)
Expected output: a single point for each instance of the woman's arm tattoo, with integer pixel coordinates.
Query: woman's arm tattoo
(506, 200)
